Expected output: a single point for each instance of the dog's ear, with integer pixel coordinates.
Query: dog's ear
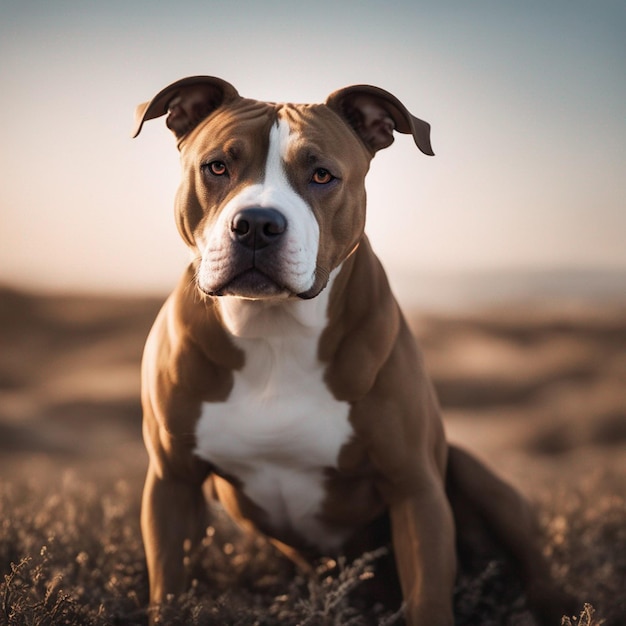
(375, 113)
(187, 102)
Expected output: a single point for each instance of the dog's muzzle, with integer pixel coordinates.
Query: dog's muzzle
(255, 258)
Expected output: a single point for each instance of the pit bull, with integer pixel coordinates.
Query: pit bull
(282, 370)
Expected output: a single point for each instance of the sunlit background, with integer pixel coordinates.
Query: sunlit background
(524, 204)
(527, 102)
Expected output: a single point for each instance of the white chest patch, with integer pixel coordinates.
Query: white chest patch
(281, 427)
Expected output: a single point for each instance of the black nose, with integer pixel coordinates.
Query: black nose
(257, 228)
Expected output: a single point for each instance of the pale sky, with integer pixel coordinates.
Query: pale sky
(527, 102)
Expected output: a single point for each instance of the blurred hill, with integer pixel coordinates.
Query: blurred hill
(471, 290)
(544, 377)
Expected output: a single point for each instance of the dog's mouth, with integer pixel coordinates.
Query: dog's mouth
(253, 284)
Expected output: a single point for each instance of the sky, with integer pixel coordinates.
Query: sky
(527, 102)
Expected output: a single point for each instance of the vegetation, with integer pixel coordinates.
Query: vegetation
(74, 556)
(539, 392)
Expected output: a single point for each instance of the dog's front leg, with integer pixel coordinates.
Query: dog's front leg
(173, 512)
(423, 542)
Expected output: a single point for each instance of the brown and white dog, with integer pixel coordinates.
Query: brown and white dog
(282, 369)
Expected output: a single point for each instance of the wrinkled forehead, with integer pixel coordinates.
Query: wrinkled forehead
(310, 127)
(317, 128)
(243, 118)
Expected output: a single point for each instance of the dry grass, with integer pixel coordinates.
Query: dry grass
(541, 397)
(74, 556)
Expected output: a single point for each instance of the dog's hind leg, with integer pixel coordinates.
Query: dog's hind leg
(482, 502)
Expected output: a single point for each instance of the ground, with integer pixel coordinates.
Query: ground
(536, 391)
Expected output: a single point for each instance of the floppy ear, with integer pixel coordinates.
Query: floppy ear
(187, 102)
(375, 113)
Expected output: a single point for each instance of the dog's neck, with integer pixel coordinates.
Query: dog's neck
(276, 318)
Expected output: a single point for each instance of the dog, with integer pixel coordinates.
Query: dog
(282, 370)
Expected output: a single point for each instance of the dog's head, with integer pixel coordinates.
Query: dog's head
(273, 195)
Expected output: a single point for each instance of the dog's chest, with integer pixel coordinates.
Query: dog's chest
(277, 433)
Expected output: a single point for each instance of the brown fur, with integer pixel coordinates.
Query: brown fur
(396, 479)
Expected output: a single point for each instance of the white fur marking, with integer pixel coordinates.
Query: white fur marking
(298, 253)
(281, 427)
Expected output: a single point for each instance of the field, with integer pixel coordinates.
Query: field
(537, 391)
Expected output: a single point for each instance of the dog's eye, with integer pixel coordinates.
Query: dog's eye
(322, 176)
(217, 168)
